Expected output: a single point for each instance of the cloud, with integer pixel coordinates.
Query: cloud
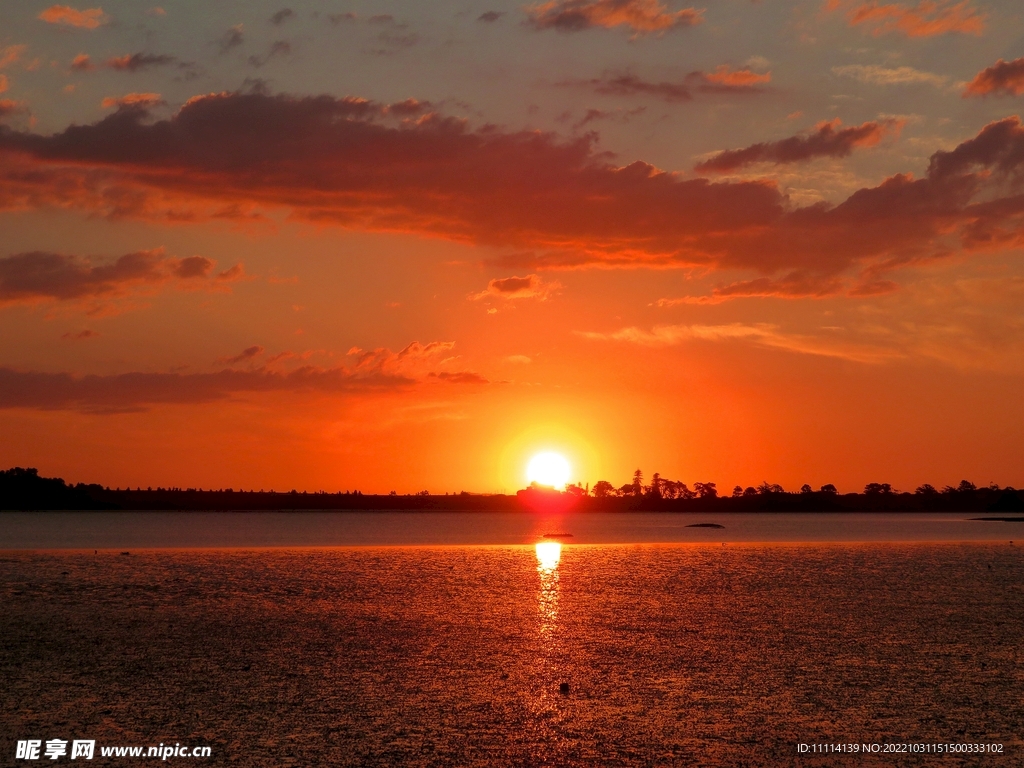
(4, 83)
(10, 107)
(135, 62)
(232, 38)
(278, 48)
(641, 16)
(877, 75)
(42, 276)
(81, 335)
(82, 63)
(509, 288)
(490, 16)
(760, 334)
(926, 19)
(1004, 78)
(827, 140)
(279, 18)
(379, 369)
(722, 81)
(139, 391)
(792, 286)
(11, 54)
(553, 203)
(132, 100)
(461, 377)
(736, 78)
(66, 15)
(249, 353)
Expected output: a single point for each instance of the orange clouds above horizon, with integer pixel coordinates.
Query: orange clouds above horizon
(341, 162)
(926, 19)
(1004, 78)
(641, 16)
(90, 18)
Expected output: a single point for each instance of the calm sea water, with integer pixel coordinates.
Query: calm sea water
(99, 530)
(678, 651)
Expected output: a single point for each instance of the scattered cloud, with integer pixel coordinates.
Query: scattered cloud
(793, 286)
(490, 16)
(878, 75)
(10, 107)
(722, 81)
(1004, 78)
(135, 62)
(156, 10)
(81, 335)
(4, 83)
(42, 276)
(460, 377)
(82, 63)
(279, 18)
(90, 18)
(510, 288)
(247, 354)
(11, 54)
(132, 100)
(641, 16)
(827, 140)
(232, 38)
(760, 334)
(278, 48)
(927, 18)
(736, 78)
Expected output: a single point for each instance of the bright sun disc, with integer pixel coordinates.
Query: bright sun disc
(548, 468)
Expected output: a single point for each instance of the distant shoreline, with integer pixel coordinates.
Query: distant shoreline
(25, 490)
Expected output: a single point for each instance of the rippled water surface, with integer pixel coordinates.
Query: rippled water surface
(693, 654)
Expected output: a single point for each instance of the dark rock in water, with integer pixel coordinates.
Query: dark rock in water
(126, 553)
(563, 687)
(705, 525)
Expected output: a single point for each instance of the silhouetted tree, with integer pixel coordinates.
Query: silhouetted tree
(750, 491)
(829, 488)
(638, 483)
(575, 489)
(925, 490)
(966, 486)
(654, 489)
(603, 489)
(767, 487)
(877, 489)
(737, 491)
(625, 490)
(706, 490)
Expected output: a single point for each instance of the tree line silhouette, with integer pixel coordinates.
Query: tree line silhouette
(25, 489)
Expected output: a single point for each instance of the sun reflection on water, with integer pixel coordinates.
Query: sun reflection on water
(548, 555)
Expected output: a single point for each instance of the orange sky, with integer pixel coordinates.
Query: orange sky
(400, 247)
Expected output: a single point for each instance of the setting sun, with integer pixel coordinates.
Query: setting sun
(548, 468)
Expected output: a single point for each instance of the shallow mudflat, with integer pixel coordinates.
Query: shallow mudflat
(694, 654)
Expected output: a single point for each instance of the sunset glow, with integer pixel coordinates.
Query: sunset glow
(548, 468)
(739, 244)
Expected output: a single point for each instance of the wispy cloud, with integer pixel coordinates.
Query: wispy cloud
(642, 17)
(879, 75)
